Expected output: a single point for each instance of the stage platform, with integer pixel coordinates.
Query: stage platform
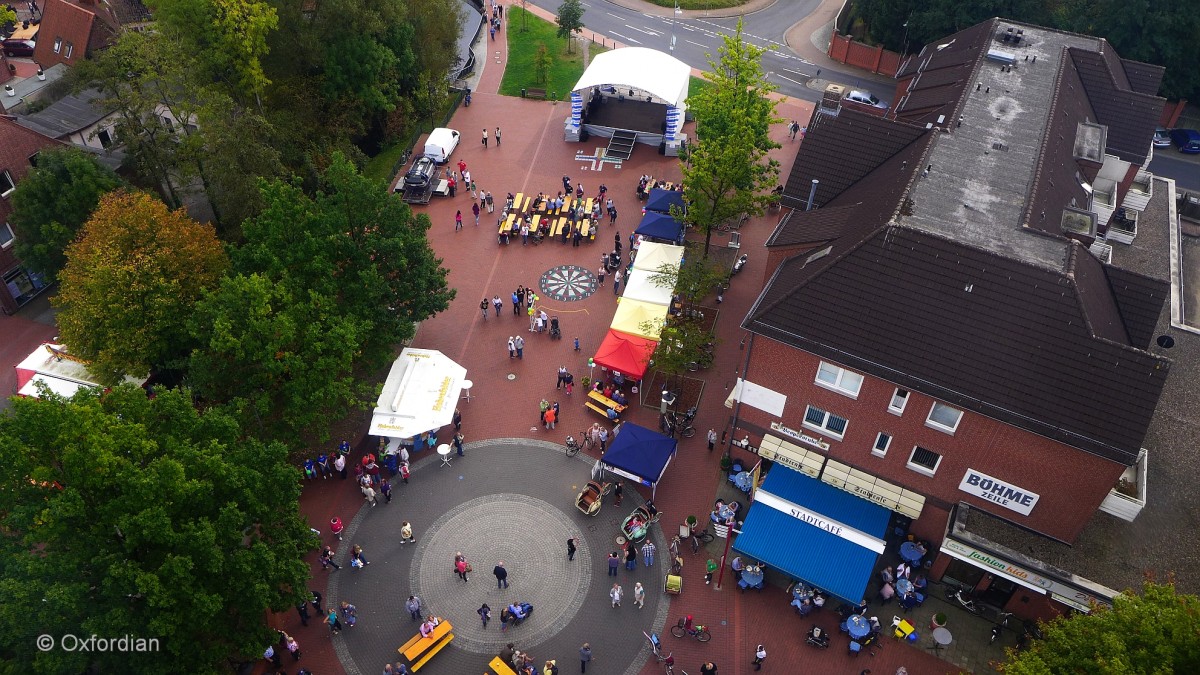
(639, 116)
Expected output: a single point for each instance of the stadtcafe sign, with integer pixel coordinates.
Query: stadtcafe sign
(999, 492)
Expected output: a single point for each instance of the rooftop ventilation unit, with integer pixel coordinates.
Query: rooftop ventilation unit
(1006, 58)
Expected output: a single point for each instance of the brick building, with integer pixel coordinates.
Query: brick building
(18, 154)
(944, 335)
(72, 30)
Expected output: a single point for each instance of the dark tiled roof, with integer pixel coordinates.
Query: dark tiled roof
(129, 11)
(1055, 186)
(1144, 78)
(841, 151)
(943, 74)
(67, 115)
(71, 23)
(1140, 300)
(810, 227)
(990, 334)
(1130, 115)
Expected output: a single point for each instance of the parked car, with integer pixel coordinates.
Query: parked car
(17, 47)
(1187, 140)
(866, 98)
(1162, 138)
(422, 172)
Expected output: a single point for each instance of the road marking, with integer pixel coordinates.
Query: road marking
(790, 79)
(697, 44)
(647, 32)
(623, 38)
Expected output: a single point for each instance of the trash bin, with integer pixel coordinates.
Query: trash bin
(522, 92)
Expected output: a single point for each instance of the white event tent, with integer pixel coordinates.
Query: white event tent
(419, 395)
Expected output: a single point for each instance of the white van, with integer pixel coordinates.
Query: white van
(441, 144)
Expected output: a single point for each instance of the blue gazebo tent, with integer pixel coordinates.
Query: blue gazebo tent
(661, 200)
(639, 454)
(661, 226)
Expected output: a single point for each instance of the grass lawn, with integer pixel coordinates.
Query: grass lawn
(700, 4)
(565, 70)
(697, 85)
(379, 167)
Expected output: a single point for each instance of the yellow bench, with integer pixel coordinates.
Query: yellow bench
(506, 226)
(429, 655)
(605, 401)
(517, 201)
(418, 644)
(524, 207)
(501, 667)
(593, 406)
(587, 206)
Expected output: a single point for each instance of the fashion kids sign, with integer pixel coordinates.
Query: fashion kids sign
(998, 492)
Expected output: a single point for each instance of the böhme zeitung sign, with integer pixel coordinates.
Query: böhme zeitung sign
(998, 492)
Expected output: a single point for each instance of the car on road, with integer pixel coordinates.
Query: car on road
(866, 98)
(1162, 138)
(1186, 140)
(18, 47)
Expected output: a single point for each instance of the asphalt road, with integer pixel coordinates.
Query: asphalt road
(1185, 169)
(694, 38)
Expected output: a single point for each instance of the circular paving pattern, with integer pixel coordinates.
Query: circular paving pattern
(568, 283)
(537, 573)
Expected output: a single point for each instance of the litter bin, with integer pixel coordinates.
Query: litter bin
(522, 92)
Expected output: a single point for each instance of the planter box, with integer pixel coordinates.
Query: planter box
(1124, 506)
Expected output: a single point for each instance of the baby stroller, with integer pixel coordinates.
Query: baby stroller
(818, 638)
(555, 333)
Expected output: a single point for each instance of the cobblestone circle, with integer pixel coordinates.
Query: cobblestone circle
(516, 529)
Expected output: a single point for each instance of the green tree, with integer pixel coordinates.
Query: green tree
(282, 362)
(7, 15)
(126, 515)
(53, 202)
(570, 20)
(1151, 633)
(130, 281)
(727, 173)
(542, 61)
(355, 244)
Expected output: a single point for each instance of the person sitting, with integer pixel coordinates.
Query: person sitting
(919, 583)
(620, 398)
(613, 415)
(516, 611)
(427, 628)
(805, 608)
(736, 565)
(634, 523)
(608, 391)
(651, 508)
(618, 378)
(818, 600)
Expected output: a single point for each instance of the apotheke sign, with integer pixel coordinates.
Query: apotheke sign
(998, 492)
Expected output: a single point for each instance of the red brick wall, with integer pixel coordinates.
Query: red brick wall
(1071, 483)
(878, 60)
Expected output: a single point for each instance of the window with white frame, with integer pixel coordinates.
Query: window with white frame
(839, 379)
(815, 418)
(924, 461)
(6, 183)
(6, 235)
(899, 400)
(943, 418)
(882, 443)
(57, 45)
(69, 50)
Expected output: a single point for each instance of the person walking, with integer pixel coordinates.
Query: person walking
(491, 204)
(600, 274)
(475, 210)
(335, 626)
(512, 348)
(315, 599)
(406, 531)
(648, 550)
(458, 444)
(639, 595)
(460, 566)
(712, 439)
(571, 548)
(485, 614)
(413, 605)
(603, 440)
(710, 567)
(293, 647)
(385, 489)
(619, 489)
(760, 654)
(793, 129)
(614, 562)
(497, 137)
(458, 220)
(327, 559)
(516, 303)
(562, 377)
(551, 417)
(708, 668)
(485, 138)
(630, 556)
(483, 307)
(302, 609)
(339, 465)
(457, 419)
(349, 614)
(585, 655)
(272, 655)
(615, 595)
(356, 554)
(498, 304)
(519, 342)
(501, 575)
(617, 282)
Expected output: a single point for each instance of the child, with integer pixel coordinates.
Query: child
(404, 472)
(576, 344)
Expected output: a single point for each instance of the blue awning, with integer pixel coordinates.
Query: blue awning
(662, 200)
(839, 565)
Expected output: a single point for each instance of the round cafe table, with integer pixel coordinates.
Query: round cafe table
(910, 553)
(858, 626)
(443, 451)
(941, 638)
(752, 577)
(903, 586)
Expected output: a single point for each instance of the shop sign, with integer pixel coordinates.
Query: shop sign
(818, 520)
(1066, 594)
(800, 436)
(866, 486)
(998, 492)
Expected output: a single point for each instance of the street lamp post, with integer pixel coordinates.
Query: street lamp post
(674, 18)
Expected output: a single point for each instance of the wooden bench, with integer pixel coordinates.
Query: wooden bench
(524, 205)
(593, 406)
(587, 206)
(535, 93)
(419, 644)
(501, 667)
(605, 401)
(506, 226)
(517, 201)
(434, 650)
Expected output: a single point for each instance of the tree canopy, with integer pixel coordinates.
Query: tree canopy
(52, 203)
(570, 20)
(130, 281)
(1154, 31)
(1155, 632)
(125, 515)
(727, 172)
